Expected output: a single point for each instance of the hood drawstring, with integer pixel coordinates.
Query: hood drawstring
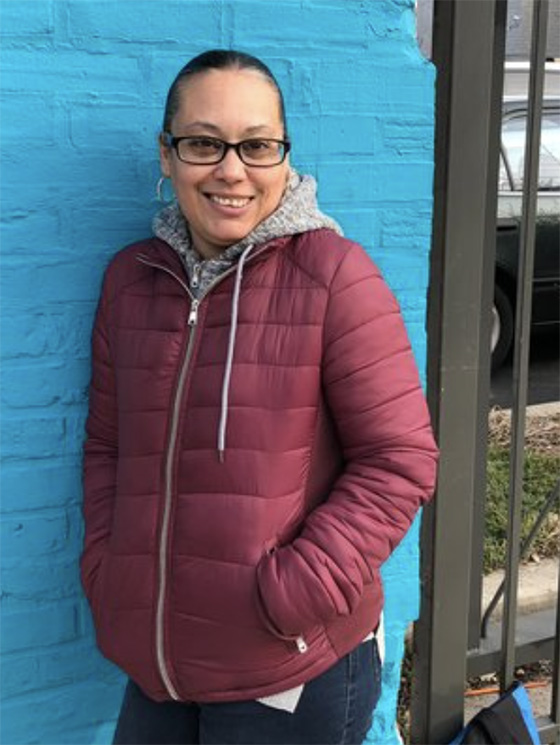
(230, 352)
(297, 213)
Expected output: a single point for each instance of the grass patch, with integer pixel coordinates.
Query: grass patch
(541, 473)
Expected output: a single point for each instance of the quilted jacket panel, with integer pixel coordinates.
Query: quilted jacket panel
(329, 454)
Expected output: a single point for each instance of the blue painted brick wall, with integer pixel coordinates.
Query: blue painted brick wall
(83, 86)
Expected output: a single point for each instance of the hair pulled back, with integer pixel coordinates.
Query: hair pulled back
(218, 59)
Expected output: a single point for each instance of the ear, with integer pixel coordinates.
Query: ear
(165, 155)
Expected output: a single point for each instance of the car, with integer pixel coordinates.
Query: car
(546, 276)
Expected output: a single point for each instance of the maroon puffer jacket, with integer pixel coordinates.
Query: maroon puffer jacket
(216, 579)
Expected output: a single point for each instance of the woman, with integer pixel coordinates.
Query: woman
(257, 441)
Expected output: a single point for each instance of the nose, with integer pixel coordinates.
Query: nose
(231, 168)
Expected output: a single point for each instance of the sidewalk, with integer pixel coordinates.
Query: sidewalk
(537, 590)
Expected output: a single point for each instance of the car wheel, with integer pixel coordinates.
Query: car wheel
(502, 327)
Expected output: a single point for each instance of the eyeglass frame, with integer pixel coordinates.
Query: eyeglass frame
(173, 142)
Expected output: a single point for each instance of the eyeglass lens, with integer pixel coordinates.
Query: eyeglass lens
(208, 150)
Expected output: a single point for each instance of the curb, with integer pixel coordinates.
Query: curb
(537, 588)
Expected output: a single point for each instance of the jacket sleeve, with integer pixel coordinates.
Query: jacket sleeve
(373, 391)
(100, 451)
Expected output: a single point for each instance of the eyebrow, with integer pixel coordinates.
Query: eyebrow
(214, 128)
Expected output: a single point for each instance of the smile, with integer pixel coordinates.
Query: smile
(230, 201)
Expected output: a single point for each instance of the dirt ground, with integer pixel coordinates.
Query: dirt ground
(540, 695)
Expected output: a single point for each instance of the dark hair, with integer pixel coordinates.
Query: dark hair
(218, 59)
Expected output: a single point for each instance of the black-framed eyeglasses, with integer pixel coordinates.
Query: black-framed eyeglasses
(257, 152)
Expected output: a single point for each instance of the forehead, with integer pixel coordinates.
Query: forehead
(229, 99)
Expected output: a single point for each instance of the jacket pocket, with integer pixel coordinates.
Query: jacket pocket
(298, 641)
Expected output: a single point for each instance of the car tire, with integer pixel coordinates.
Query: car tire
(502, 327)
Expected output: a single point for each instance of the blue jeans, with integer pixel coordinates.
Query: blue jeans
(336, 707)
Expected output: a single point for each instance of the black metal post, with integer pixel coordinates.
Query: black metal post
(555, 713)
(487, 297)
(549, 726)
(465, 185)
(522, 335)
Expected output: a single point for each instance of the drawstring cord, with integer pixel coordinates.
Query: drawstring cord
(230, 352)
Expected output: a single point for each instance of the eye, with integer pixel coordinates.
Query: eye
(203, 145)
(253, 147)
(261, 152)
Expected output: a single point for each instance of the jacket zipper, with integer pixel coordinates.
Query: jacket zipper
(170, 456)
(164, 535)
(195, 278)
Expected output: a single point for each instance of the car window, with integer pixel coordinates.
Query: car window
(514, 131)
(503, 178)
(549, 166)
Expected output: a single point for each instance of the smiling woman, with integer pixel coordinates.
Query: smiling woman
(225, 200)
(257, 442)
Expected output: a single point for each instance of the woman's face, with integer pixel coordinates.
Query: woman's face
(232, 105)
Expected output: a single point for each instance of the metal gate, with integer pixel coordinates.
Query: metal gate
(469, 52)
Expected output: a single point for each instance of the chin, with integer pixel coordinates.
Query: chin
(228, 239)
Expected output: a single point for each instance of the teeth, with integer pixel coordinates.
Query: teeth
(230, 202)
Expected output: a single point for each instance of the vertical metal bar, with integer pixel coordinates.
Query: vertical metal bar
(487, 295)
(522, 335)
(460, 226)
(555, 713)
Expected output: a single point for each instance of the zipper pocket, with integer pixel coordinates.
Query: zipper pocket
(297, 639)
(301, 644)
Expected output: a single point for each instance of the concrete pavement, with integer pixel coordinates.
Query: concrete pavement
(537, 590)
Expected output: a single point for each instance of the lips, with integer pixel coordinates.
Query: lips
(223, 201)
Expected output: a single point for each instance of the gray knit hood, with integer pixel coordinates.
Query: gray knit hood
(297, 213)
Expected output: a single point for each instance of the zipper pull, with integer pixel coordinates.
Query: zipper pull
(301, 645)
(195, 279)
(193, 315)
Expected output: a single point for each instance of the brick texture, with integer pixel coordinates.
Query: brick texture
(83, 87)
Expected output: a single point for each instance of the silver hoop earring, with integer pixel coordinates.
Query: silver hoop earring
(159, 191)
